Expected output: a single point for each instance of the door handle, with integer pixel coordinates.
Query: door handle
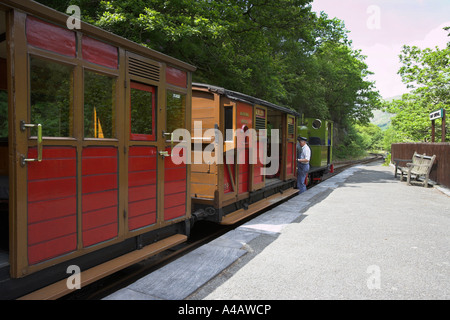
(23, 127)
(164, 154)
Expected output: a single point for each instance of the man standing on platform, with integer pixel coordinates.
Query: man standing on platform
(303, 157)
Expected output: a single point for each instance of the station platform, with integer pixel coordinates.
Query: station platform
(361, 234)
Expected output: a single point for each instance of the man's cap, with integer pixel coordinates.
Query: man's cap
(302, 138)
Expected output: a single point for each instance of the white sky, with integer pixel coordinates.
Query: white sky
(381, 27)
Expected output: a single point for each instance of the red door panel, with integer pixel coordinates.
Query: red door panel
(52, 204)
(290, 158)
(174, 187)
(141, 187)
(99, 194)
(244, 121)
(244, 172)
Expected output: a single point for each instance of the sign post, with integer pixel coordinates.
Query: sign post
(436, 115)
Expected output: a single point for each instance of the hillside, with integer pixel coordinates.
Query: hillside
(381, 119)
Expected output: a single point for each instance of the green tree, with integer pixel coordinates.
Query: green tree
(352, 145)
(372, 136)
(427, 73)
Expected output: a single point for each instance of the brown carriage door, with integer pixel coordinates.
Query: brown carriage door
(260, 149)
(175, 168)
(244, 121)
(99, 163)
(143, 157)
(52, 182)
(45, 200)
(229, 167)
(290, 147)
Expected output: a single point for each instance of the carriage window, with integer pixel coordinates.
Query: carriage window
(176, 111)
(52, 97)
(99, 108)
(142, 111)
(228, 123)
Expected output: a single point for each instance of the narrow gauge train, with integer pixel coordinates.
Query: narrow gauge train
(87, 177)
(320, 140)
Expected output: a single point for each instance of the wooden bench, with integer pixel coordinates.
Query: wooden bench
(420, 165)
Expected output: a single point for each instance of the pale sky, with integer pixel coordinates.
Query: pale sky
(381, 27)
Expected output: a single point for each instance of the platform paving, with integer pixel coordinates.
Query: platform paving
(359, 235)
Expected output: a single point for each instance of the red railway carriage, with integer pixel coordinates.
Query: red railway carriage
(232, 189)
(84, 148)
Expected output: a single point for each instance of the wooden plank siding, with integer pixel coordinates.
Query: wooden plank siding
(234, 179)
(204, 179)
(204, 110)
(441, 168)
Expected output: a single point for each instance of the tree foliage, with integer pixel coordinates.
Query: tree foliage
(358, 140)
(279, 51)
(427, 73)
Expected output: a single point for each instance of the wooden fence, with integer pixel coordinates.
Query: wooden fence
(441, 168)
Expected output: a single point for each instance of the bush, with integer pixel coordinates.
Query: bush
(353, 145)
(357, 140)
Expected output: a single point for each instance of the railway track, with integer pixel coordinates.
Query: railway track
(203, 233)
(341, 166)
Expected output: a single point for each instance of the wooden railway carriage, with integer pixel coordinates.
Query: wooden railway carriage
(231, 190)
(85, 121)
